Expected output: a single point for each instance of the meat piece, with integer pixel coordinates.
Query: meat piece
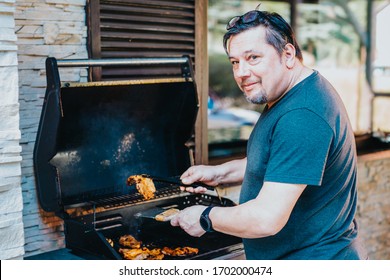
(129, 241)
(155, 254)
(141, 254)
(167, 215)
(180, 251)
(145, 186)
(134, 254)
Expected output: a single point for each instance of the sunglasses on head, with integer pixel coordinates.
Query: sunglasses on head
(248, 17)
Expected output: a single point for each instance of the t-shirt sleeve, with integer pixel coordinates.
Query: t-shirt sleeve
(300, 145)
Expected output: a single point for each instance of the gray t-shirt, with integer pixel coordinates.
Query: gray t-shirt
(306, 138)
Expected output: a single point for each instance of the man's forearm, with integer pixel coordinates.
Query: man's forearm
(263, 216)
(232, 171)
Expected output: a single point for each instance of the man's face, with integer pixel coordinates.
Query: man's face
(258, 68)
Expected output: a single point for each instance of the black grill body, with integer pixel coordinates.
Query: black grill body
(92, 136)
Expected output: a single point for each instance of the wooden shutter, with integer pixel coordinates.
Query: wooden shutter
(140, 28)
(145, 28)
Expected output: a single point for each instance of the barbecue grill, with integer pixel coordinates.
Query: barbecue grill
(93, 135)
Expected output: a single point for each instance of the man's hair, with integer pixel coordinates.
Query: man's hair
(278, 32)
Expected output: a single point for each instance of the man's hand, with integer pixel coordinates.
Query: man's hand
(188, 220)
(201, 173)
(231, 172)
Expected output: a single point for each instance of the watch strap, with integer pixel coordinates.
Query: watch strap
(207, 226)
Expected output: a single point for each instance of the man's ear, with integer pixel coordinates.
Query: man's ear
(289, 55)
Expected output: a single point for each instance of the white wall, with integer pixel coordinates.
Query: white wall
(44, 28)
(11, 223)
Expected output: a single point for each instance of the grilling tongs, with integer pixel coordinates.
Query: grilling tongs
(177, 182)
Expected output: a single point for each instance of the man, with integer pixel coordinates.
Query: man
(298, 196)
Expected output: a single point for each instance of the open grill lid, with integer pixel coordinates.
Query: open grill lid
(92, 136)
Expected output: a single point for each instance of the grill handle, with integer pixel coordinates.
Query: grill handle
(121, 61)
(184, 61)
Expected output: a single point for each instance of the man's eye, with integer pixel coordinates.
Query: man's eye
(253, 57)
(234, 62)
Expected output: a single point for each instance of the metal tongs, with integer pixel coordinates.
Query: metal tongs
(177, 182)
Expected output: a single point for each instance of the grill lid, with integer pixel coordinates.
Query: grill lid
(92, 136)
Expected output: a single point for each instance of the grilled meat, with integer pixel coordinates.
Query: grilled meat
(129, 241)
(155, 254)
(145, 186)
(180, 251)
(134, 250)
(142, 254)
(134, 254)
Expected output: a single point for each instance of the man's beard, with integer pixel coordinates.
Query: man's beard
(260, 98)
(257, 98)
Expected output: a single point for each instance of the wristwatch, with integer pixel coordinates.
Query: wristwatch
(205, 221)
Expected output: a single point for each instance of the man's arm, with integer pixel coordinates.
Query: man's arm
(263, 216)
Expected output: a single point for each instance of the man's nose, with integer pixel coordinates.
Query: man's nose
(242, 70)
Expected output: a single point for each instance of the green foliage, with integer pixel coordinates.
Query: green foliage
(221, 77)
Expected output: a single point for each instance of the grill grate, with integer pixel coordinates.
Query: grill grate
(134, 198)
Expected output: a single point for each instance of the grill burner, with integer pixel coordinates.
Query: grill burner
(92, 136)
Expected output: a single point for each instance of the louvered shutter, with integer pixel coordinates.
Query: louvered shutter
(140, 28)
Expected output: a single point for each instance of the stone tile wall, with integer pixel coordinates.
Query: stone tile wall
(11, 222)
(44, 28)
(374, 203)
